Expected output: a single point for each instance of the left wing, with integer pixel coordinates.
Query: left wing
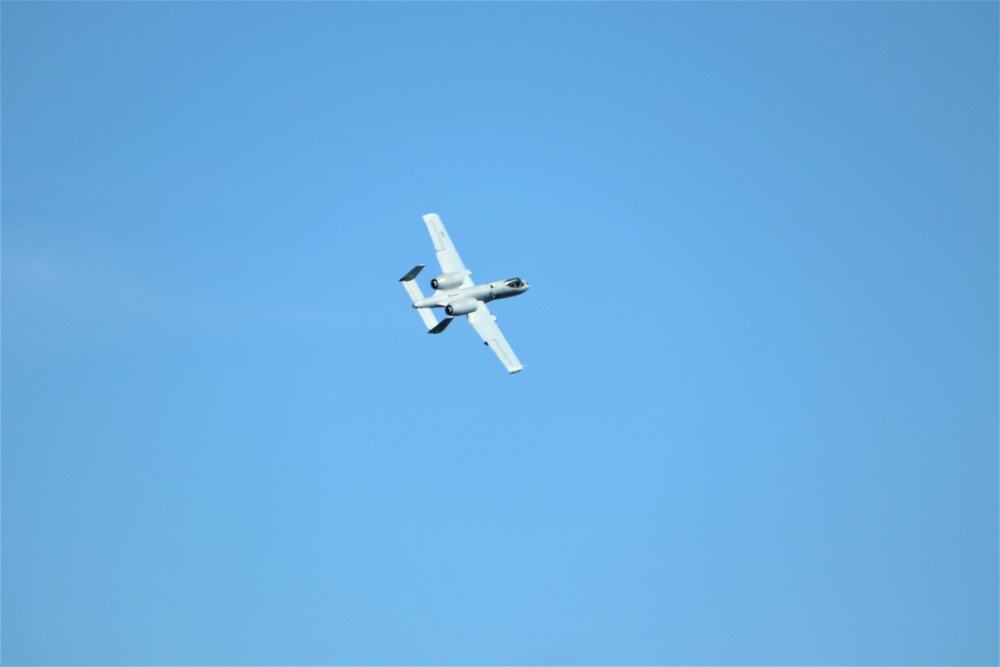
(446, 254)
(485, 324)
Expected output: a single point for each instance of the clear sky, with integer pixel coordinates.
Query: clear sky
(759, 418)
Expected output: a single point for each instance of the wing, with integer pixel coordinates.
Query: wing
(447, 255)
(485, 324)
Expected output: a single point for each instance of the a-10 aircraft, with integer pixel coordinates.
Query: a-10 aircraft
(458, 295)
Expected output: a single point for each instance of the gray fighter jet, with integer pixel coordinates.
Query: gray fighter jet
(458, 295)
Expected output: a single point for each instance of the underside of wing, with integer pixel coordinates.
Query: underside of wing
(485, 324)
(446, 254)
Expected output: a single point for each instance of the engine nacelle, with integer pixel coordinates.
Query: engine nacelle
(448, 280)
(462, 307)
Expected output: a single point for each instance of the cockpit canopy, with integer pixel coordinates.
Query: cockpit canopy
(514, 282)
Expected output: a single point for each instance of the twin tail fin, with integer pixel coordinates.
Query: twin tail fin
(413, 289)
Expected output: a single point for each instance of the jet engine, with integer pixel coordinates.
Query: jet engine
(461, 307)
(448, 280)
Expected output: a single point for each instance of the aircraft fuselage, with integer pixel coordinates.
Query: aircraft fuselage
(486, 292)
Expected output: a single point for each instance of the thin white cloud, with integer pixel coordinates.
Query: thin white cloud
(27, 275)
(34, 282)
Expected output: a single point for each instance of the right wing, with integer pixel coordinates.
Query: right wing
(485, 324)
(446, 254)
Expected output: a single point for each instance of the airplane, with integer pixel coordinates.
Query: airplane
(458, 295)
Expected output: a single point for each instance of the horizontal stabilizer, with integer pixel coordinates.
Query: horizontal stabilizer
(427, 316)
(413, 290)
(438, 328)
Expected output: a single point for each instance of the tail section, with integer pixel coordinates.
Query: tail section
(442, 326)
(411, 287)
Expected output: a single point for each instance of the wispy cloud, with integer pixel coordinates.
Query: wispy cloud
(32, 276)
(37, 284)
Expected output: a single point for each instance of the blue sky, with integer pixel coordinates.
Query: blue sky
(759, 418)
